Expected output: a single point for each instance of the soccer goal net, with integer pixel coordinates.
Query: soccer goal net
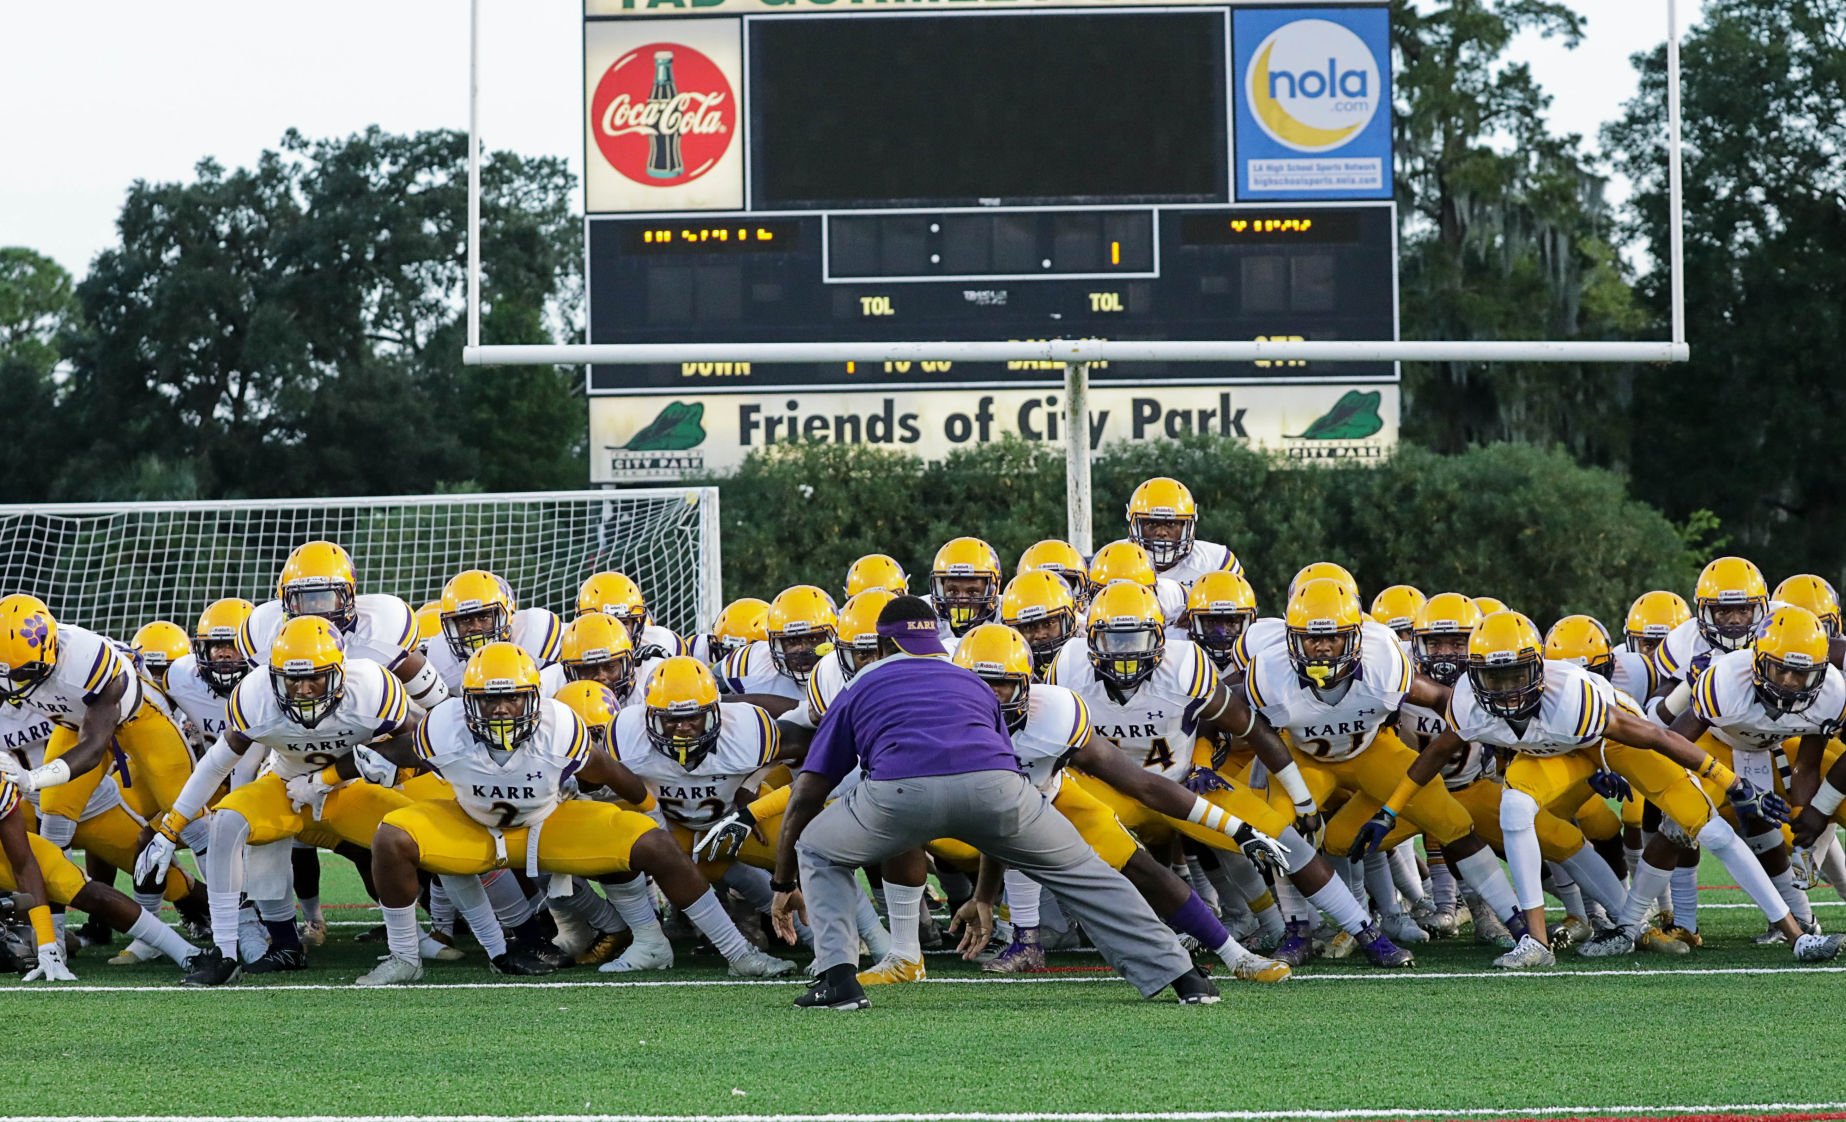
(112, 567)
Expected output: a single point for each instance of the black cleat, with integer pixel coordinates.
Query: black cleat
(1194, 988)
(838, 988)
(279, 960)
(210, 968)
(371, 935)
(95, 933)
(517, 962)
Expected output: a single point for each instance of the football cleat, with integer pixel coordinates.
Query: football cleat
(517, 963)
(1574, 930)
(893, 969)
(313, 932)
(436, 947)
(1019, 957)
(1342, 944)
(1607, 944)
(1818, 948)
(391, 971)
(134, 954)
(94, 933)
(605, 947)
(1403, 929)
(210, 968)
(1380, 949)
(1441, 922)
(1256, 968)
(278, 960)
(642, 954)
(1297, 944)
(1489, 929)
(574, 936)
(1656, 941)
(836, 989)
(1529, 953)
(1195, 988)
(757, 964)
(1691, 938)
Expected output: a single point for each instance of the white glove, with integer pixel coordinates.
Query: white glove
(374, 768)
(51, 967)
(153, 862)
(10, 768)
(54, 774)
(725, 836)
(308, 793)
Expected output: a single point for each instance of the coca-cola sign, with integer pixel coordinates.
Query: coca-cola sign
(663, 114)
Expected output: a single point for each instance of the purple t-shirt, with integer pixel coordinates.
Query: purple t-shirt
(905, 717)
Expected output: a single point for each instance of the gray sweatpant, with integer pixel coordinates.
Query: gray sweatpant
(1001, 814)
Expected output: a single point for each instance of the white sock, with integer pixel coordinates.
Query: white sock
(1404, 871)
(162, 938)
(442, 909)
(1527, 861)
(1649, 881)
(871, 932)
(1633, 854)
(636, 905)
(1442, 887)
(709, 916)
(1685, 896)
(904, 909)
(1293, 902)
(401, 933)
(230, 831)
(1742, 864)
(1596, 880)
(1337, 901)
(588, 905)
(468, 897)
(510, 901)
(1482, 871)
(57, 829)
(1202, 883)
(1565, 889)
(1022, 894)
(149, 901)
(57, 925)
(1381, 884)
(1833, 863)
(1232, 952)
(1796, 899)
(310, 908)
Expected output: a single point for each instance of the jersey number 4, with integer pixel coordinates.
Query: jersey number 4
(1159, 755)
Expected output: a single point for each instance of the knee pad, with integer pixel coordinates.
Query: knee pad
(1518, 812)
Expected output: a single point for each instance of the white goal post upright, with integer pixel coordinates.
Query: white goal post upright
(112, 567)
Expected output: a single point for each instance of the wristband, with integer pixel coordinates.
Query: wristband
(1827, 799)
(1297, 787)
(784, 885)
(170, 824)
(54, 774)
(1717, 773)
(329, 777)
(1407, 789)
(1213, 818)
(42, 927)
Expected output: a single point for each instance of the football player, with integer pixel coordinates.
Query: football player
(1396, 607)
(1731, 601)
(802, 622)
(1039, 606)
(155, 646)
(313, 709)
(318, 580)
(1060, 557)
(964, 587)
(741, 622)
(1331, 686)
(1153, 697)
(1816, 594)
(598, 648)
(1050, 727)
(201, 681)
(1219, 609)
(1163, 519)
(1124, 560)
(477, 609)
(1651, 618)
(512, 757)
(876, 570)
(616, 595)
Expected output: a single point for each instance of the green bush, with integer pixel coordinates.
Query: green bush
(1527, 525)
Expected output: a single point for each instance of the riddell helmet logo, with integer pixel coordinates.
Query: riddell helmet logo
(1313, 85)
(663, 114)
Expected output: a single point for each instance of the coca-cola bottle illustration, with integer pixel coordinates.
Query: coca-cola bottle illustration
(663, 158)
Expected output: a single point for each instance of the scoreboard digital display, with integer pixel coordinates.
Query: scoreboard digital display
(808, 171)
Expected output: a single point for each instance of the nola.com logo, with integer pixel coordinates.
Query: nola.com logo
(1313, 85)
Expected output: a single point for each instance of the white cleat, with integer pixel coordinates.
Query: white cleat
(1607, 944)
(252, 936)
(1491, 929)
(1529, 953)
(574, 936)
(756, 964)
(1401, 929)
(433, 949)
(392, 971)
(1818, 948)
(136, 953)
(1441, 923)
(1255, 968)
(653, 953)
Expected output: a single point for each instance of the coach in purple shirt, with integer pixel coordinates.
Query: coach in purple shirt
(937, 762)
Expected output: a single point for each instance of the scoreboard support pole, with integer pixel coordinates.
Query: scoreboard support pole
(1077, 455)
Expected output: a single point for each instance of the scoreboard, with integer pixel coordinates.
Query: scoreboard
(978, 170)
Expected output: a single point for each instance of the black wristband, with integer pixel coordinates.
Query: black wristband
(784, 885)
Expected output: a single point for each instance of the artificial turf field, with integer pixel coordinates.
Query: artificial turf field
(1730, 1029)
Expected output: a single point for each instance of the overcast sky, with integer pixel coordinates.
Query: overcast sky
(96, 96)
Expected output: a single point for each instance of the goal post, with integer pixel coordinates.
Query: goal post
(114, 566)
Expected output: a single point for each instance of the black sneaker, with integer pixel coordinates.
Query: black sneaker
(371, 935)
(838, 988)
(210, 968)
(95, 933)
(1194, 988)
(278, 960)
(517, 962)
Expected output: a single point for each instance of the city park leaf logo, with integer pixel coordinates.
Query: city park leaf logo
(1353, 417)
(676, 429)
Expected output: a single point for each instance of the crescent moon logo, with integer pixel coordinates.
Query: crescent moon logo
(1313, 85)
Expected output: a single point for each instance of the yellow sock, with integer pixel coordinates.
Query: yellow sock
(41, 925)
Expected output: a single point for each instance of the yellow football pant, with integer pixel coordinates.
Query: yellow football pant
(1561, 784)
(112, 836)
(426, 785)
(351, 813)
(1369, 779)
(63, 880)
(1101, 830)
(580, 838)
(158, 765)
(1156, 829)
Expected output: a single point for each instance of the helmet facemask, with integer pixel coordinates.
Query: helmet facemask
(293, 685)
(1787, 685)
(1324, 655)
(856, 655)
(1045, 633)
(468, 629)
(1441, 655)
(616, 671)
(1509, 685)
(1126, 655)
(1216, 633)
(796, 653)
(501, 715)
(221, 664)
(1168, 539)
(684, 732)
(1015, 693)
(965, 599)
(327, 597)
(1729, 624)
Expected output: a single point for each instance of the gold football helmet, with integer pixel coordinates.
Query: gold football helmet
(318, 580)
(216, 652)
(1396, 607)
(500, 702)
(1731, 600)
(595, 703)
(876, 570)
(683, 720)
(1506, 665)
(1323, 570)
(1163, 520)
(156, 645)
(1439, 637)
(964, 580)
(598, 648)
(429, 624)
(307, 669)
(1126, 634)
(1325, 632)
(1060, 557)
(1816, 594)
(1122, 560)
(802, 622)
(613, 594)
(477, 609)
(1489, 605)
(1652, 617)
(28, 645)
(743, 621)
(1001, 656)
(1038, 605)
(1219, 609)
(857, 645)
(1584, 641)
(1790, 664)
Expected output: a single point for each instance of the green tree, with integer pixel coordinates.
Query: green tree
(1746, 428)
(1506, 235)
(37, 308)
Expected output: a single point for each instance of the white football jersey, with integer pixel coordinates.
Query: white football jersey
(552, 679)
(826, 683)
(1331, 730)
(1420, 726)
(384, 630)
(204, 713)
(535, 631)
(1057, 722)
(506, 790)
(86, 664)
(1206, 557)
(1633, 674)
(753, 670)
(747, 740)
(372, 705)
(1172, 598)
(1261, 632)
(1725, 699)
(1155, 727)
(25, 733)
(1573, 711)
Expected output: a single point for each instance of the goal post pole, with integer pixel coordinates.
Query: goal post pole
(1676, 236)
(1077, 454)
(474, 173)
